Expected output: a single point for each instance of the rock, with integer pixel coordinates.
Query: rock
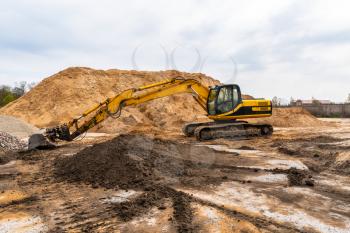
(11, 143)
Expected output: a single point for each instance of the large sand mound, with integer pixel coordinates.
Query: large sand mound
(67, 94)
(291, 117)
(70, 92)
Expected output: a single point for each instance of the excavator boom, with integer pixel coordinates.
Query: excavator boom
(223, 103)
(112, 107)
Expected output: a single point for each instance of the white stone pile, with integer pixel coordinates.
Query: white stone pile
(11, 143)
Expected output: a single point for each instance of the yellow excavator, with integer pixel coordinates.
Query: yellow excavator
(223, 103)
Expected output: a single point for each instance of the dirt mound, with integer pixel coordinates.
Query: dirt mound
(299, 177)
(142, 163)
(135, 161)
(291, 117)
(70, 92)
(113, 164)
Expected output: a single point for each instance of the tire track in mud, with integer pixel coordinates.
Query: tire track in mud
(61, 206)
(318, 153)
(73, 207)
(260, 222)
(77, 210)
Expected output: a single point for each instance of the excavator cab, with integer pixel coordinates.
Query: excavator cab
(225, 106)
(223, 99)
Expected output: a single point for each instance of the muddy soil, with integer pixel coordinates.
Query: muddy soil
(146, 166)
(151, 165)
(139, 161)
(318, 153)
(299, 177)
(144, 183)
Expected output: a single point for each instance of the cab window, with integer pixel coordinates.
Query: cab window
(236, 97)
(211, 102)
(225, 100)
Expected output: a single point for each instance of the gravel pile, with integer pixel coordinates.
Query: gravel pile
(10, 143)
(16, 127)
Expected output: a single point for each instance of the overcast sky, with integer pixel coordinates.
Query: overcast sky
(270, 48)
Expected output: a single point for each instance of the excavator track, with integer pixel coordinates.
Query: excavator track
(236, 130)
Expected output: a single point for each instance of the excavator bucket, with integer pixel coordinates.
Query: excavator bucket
(39, 141)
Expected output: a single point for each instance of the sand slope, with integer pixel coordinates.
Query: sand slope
(70, 92)
(291, 117)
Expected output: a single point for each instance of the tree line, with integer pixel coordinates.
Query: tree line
(9, 94)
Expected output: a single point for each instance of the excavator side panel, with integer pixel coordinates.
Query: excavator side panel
(247, 109)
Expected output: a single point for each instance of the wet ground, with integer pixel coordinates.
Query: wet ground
(295, 181)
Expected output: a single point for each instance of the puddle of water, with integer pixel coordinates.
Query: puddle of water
(242, 198)
(266, 161)
(121, 196)
(21, 223)
(279, 164)
(224, 148)
(69, 154)
(270, 178)
(286, 164)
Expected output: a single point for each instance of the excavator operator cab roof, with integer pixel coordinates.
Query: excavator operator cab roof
(223, 98)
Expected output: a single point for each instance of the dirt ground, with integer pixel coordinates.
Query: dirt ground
(294, 181)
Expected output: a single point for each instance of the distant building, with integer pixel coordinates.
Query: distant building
(324, 101)
(309, 102)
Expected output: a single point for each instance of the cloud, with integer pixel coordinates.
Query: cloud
(283, 48)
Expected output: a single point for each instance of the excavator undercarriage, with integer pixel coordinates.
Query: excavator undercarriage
(233, 130)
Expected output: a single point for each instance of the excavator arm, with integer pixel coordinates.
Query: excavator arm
(112, 107)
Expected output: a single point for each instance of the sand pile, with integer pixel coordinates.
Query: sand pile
(70, 92)
(291, 117)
